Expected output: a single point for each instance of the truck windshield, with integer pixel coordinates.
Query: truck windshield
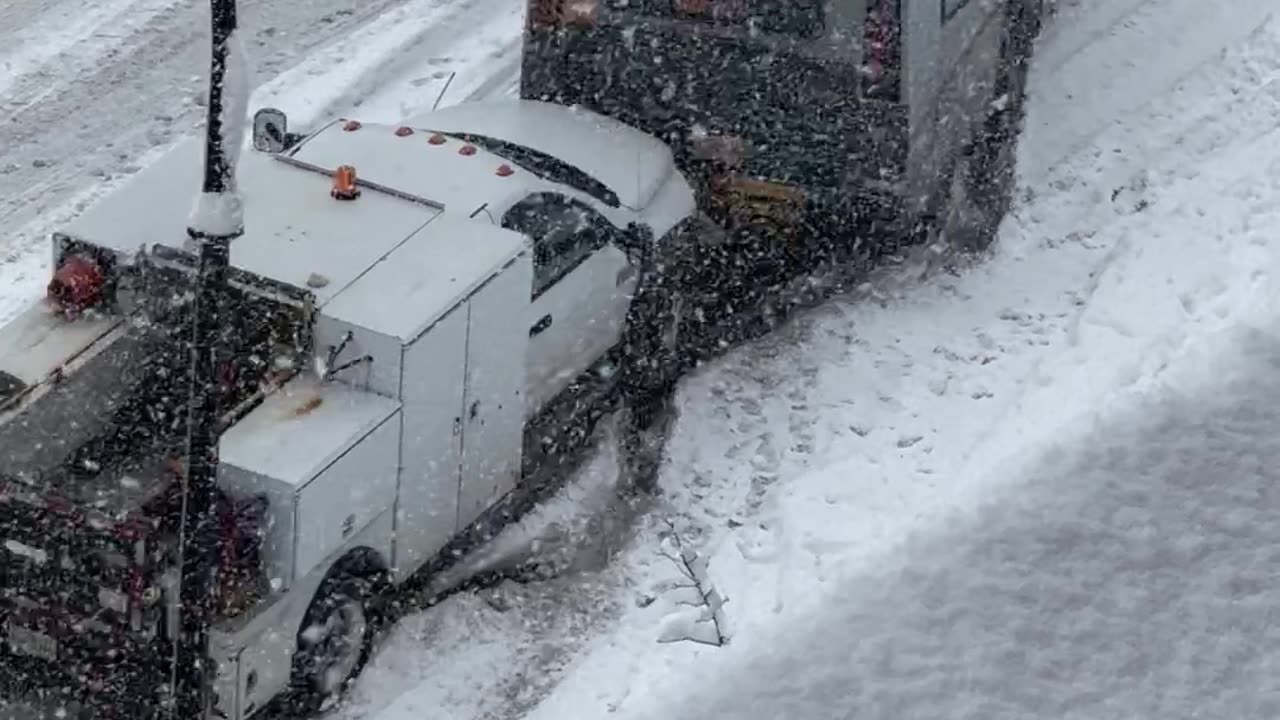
(544, 166)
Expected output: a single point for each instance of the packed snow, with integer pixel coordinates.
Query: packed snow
(1036, 489)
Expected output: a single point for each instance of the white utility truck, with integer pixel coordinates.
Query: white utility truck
(421, 312)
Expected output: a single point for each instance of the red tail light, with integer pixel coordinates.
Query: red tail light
(880, 43)
(76, 285)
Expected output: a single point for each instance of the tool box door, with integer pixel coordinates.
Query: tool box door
(430, 450)
(493, 409)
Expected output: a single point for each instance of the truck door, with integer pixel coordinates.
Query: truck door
(579, 286)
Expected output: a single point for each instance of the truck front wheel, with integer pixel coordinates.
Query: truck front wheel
(334, 642)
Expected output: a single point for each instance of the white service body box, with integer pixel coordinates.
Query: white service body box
(326, 456)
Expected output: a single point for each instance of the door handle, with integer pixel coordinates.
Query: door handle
(542, 324)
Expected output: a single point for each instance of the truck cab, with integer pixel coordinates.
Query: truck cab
(406, 303)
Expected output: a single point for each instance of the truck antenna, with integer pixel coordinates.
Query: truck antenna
(215, 221)
(443, 90)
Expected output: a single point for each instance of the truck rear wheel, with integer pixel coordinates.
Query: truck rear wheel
(334, 642)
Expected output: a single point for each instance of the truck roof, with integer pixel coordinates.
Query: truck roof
(628, 161)
(397, 255)
(406, 292)
(412, 164)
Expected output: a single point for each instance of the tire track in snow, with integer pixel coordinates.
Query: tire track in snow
(68, 45)
(1184, 153)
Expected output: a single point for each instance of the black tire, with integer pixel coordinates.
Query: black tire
(335, 640)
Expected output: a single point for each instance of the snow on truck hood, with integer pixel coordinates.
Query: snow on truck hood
(630, 162)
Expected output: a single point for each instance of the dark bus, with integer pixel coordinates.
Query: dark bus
(814, 129)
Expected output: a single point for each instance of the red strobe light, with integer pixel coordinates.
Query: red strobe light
(76, 285)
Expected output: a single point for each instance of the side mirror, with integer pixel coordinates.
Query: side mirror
(270, 130)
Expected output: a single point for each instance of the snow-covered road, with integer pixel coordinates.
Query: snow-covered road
(1040, 489)
(90, 92)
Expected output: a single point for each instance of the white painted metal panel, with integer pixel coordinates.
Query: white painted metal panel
(469, 184)
(382, 376)
(425, 277)
(347, 495)
(493, 419)
(265, 656)
(293, 228)
(672, 204)
(613, 282)
(412, 165)
(431, 445)
(302, 429)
